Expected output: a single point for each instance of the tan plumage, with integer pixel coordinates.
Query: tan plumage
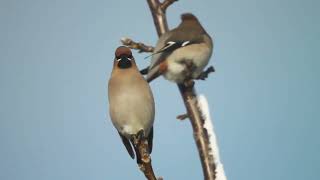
(131, 102)
(182, 52)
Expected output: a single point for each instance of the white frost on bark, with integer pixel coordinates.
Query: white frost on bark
(213, 145)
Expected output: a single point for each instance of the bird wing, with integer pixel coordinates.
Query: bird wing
(171, 41)
(127, 144)
(150, 140)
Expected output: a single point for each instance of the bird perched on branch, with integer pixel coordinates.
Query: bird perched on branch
(182, 53)
(131, 102)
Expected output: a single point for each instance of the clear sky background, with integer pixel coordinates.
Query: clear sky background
(56, 57)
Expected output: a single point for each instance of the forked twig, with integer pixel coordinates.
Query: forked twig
(165, 4)
(136, 45)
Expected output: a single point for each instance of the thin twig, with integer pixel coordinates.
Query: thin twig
(165, 4)
(189, 97)
(136, 45)
(145, 166)
(182, 116)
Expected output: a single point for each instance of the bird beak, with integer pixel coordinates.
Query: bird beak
(124, 62)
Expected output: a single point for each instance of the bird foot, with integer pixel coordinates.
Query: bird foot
(138, 138)
(204, 74)
(188, 83)
(134, 139)
(141, 134)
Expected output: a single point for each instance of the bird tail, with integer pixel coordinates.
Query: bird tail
(138, 155)
(153, 74)
(144, 71)
(127, 144)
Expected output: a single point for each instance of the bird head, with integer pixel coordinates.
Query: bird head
(188, 17)
(123, 58)
(191, 21)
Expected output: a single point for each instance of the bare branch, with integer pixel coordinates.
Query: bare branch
(182, 116)
(145, 166)
(165, 4)
(136, 45)
(159, 17)
(200, 134)
(190, 100)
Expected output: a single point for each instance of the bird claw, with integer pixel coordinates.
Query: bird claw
(141, 134)
(138, 138)
(144, 71)
(188, 83)
(204, 74)
(134, 139)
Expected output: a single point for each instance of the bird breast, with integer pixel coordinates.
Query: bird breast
(131, 104)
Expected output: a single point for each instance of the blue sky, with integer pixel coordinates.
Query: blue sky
(56, 57)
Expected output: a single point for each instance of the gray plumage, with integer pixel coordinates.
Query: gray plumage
(188, 44)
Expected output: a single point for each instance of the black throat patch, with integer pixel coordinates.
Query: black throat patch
(124, 63)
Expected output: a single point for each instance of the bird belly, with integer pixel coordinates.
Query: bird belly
(129, 125)
(175, 72)
(197, 56)
(132, 113)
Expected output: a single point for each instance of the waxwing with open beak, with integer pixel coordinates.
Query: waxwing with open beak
(131, 103)
(182, 53)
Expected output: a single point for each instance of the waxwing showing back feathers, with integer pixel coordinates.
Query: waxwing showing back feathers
(189, 33)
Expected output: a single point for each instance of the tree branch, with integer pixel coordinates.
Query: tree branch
(145, 166)
(189, 97)
(200, 134)
(159, 16)
(165, 4)
(182, 116)
(136, 45)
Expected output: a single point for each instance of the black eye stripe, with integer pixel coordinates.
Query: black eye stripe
(124, 58)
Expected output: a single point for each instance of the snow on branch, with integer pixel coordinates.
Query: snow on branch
(213, 144)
